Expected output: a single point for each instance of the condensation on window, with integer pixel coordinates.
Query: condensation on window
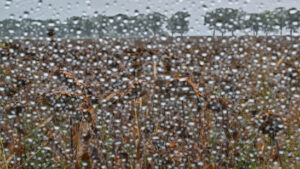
(149, 84)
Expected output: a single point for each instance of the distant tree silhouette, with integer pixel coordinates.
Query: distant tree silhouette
(293, 20)
(227, 19)
(280, 18)
(155, 22)
(178, 23)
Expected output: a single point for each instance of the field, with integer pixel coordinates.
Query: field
(183, 102)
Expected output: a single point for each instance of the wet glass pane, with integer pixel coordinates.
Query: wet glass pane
(149, 84)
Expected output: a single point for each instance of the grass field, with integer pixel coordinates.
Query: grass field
(184, 102)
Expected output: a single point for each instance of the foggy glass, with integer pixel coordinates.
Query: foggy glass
(149, 84)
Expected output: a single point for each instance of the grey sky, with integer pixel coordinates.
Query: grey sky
(61, 9)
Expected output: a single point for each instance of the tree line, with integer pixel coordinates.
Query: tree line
(119, 25)
(221, 20)
(231, 20)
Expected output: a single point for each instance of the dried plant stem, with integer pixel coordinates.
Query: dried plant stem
(154, 70)
(3, 153)
(71, 135)
(137, 118)
(277, 151)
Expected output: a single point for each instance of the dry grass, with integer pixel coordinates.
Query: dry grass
(196, 102)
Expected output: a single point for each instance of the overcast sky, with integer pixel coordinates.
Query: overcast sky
(61, 9)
